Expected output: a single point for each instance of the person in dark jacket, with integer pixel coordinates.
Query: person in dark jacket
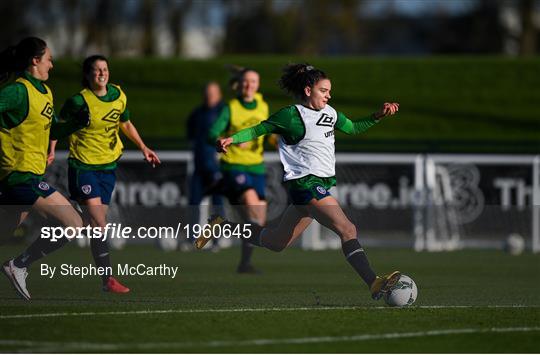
(206, 173)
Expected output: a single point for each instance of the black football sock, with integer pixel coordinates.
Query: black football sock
(247, 252)
(100, 253)
(254, 237)
(355, 255)
(38, 249)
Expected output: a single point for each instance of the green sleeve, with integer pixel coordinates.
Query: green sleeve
(345, 125)
(251, 133)
(125, 116)
(68, 122)
(220, 125)
(279, 123)
(286, 122)
(13, 105)
(281, 120)
(71, 108)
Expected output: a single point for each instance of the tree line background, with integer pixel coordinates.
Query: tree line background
(208, 28)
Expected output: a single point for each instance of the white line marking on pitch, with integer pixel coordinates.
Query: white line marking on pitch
(48, 346)
(241, 310)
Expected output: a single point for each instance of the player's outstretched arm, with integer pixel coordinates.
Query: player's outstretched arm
(131, 132)
(244, 135)
(347, 126)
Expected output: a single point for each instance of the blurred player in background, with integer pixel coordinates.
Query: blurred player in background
(95, 150)
(206, 173)
(307, 152)
(243, 167)
(27, 115)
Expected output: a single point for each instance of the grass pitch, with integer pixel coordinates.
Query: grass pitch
(469, 301)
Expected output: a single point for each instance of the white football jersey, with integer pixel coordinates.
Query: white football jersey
(315, 153)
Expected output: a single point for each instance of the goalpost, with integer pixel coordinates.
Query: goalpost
(445, 223)
(436, 222)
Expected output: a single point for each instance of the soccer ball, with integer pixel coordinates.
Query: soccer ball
(403, 293)
(514, 244)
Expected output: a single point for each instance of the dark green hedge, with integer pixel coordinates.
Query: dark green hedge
(454, 104)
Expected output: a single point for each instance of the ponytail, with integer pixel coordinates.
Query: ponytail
(7, 64)
(15, 59)
(296, 77)
(236, 75)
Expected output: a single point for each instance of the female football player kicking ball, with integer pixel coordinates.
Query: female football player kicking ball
(307, 152)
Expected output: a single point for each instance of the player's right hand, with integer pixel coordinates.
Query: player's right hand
(50, 158)
(150, 156)
(222, 144)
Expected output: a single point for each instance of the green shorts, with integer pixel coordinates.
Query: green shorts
(309, 187)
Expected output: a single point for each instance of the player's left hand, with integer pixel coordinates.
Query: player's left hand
(150, 156)
(387, 109)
